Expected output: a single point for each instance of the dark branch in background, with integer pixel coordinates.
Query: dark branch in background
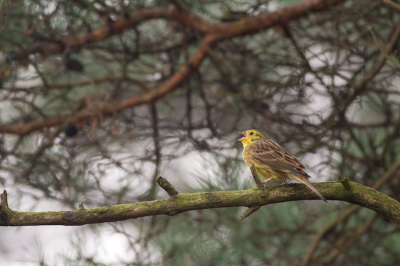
(391, 4)
(353, 192)
(157, 151)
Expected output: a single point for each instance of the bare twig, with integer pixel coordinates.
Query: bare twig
(249, 212)
(4, 201)
(164, 184)
(256, 178)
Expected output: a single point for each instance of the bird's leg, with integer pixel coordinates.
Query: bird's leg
(265, 181)
(284, 182)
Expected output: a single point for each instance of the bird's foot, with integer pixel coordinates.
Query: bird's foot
(266, 180)
(265, 183)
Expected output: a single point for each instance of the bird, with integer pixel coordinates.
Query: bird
(272, 161)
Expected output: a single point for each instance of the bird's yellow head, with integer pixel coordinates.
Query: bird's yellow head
(250, 136)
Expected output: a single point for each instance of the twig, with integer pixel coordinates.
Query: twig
(256, 178)
(4, 201)
(157, 151)
(249, 212)
(164, 184)
(345, 181)
(391, 4)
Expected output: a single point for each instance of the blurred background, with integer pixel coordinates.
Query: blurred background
(325, 85)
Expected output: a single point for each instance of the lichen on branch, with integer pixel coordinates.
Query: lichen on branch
(355, 193)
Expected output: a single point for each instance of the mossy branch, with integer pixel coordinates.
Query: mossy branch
(355, 193)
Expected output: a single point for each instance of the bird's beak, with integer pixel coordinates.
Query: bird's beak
(244, 135)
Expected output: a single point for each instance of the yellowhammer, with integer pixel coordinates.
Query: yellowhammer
(272, 161)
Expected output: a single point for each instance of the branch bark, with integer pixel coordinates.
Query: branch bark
(354, 193)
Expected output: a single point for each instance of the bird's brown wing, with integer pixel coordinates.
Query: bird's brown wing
(272, 154)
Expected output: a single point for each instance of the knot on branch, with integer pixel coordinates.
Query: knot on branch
(80, 206)
(345, 181)
(164, 184)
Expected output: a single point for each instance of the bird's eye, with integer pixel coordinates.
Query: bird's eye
(251, 133)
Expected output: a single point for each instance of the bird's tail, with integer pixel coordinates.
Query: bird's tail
(308, 184)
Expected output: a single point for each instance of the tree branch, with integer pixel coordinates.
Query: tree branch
(110, 109)
(116, 27)
(182, 202)
(214, 34)
(244, 26)
(164, 184)
(391, 4)
(255, 24)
